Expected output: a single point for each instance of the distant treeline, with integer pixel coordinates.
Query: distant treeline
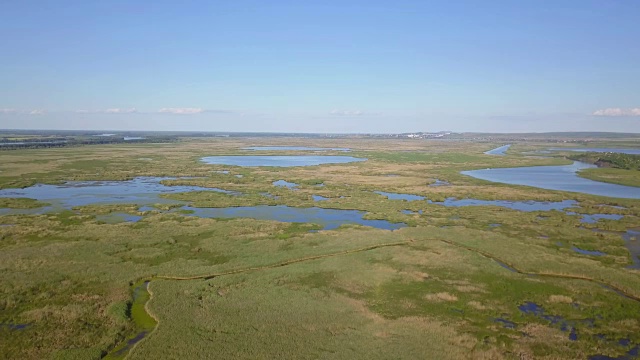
(615, 160)
(7, 144)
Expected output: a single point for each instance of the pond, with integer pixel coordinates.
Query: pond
(327, 218)
(279, 161)
(284, 183)
(499, 150)
(140, 191)
(293, 148)
(396, 196)
(563, 178)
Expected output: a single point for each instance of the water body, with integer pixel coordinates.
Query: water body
(293, 148)
(632, 241)
(284, 183)
(592, 219)
(14, 327)
(565, 325)
(563, 178)
(327, 218)
(506, 323)
(587, 252)
(270, 196)
(440, 183)
(141, 191)
(396, 196)
(526, 206)
(131, 138)
(317, 198)
(409, 212)
(600, 150)
(499, 150)
(279, 161)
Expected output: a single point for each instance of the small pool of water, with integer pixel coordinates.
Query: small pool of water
(593, 218)
(588, 252)
(14, 327)
(293, 148)
(556, 320)
(397, 196)
(327, 218)
(409, 212)
(526, 206)
(279, 161)
(439, 182)
(563, 178)
(284, 183)
(319, 198)
(632, 241)
(499, 150)
(506, 323)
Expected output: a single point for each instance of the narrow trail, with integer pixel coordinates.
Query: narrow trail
(603, 283)
(284, 263)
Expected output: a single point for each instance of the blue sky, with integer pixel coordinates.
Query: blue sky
(330, 66)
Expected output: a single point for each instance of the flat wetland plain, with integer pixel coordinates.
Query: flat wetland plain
(475, 282)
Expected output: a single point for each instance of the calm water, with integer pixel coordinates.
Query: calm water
(396, 196)
(563, 178)
(293, 148)
(440, 183)
(514, 205)
(632, 241)
(592, 219)
(587, 252)
(612, 150)
(327, 218)
(499, 151)
(319, 198)
(141, 191)
(279, 161)
(284, 183)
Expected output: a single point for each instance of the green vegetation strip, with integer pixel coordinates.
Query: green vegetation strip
(615, 288)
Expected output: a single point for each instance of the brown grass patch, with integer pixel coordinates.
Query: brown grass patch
(441, 296)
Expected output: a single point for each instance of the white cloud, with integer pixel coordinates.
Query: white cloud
(121, 111)
(36, 112)
(8, 111)
(181, 111)
(617, 112)
(346, 112)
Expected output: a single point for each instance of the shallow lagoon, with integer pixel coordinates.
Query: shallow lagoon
(141, 191)
(293, 148)
(563, 178)
(279, 161)
(327, 218)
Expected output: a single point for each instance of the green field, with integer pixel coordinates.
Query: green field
(255, 289)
